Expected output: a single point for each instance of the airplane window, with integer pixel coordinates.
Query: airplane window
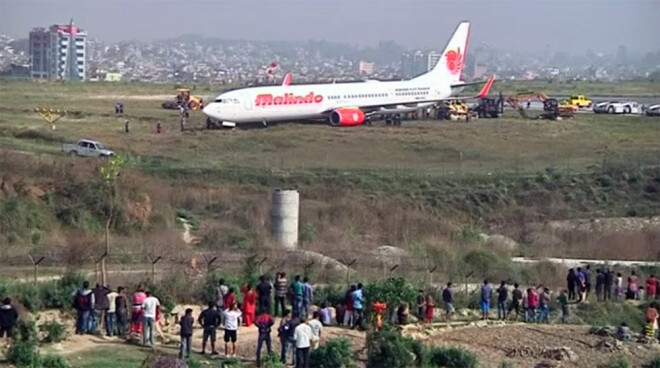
(219, 100)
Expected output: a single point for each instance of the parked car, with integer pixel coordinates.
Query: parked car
(580, 101)
(87, 147)
(653, 110)
(617, 107)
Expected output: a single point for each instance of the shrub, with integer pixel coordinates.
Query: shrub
(393, 291)
(272, 361)
(58, 294)
(610, 314)
(618, 362)
(331, 294)
(55, 332)
(388, 348)
(452, 358)
(336, 353)
(654, 363)
(55, 361)
(28, 295)
(506, 364)
(23, 351)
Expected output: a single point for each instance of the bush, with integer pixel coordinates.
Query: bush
(55, 332)
(618, 362)
(331, 294)
(393, 291)
(654, 363)
(452, 358)
(23, 351)
(58, 294)
(336, 353)
(388, 348)
(611, 314)
(55, 361)
(272, 361)
(30, 297)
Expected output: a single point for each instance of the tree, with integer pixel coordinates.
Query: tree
(109, 174)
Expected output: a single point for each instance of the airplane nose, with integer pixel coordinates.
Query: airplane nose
(211, 109)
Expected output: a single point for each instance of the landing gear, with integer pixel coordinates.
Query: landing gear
(396, 121)
(367, 121)
(264, 123)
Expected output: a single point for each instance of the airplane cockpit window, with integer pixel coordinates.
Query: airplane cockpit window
(218, 100)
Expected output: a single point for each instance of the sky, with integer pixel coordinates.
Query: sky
(553, 25)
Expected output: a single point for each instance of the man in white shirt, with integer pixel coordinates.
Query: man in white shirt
(232, 321)
(316, 326)
(111, 313)
(149, 308)
(303, 336)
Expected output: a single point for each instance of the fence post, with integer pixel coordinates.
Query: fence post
(392, 269)
(96, 268)
(348, 269)
(467, 291)
(153, 267)
(307, 268)
(431, 275)
(261, 264)
(36, 267)
(209, 262)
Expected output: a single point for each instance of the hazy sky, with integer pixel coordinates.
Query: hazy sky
(570, 25)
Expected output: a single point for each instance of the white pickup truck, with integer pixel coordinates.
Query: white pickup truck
(86, 147)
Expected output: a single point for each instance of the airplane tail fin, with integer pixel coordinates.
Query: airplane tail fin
(489, 83)
(452, 61)
(287, 80)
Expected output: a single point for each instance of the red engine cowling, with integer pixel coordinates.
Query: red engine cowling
(347, 117)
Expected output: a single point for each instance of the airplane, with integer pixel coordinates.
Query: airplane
(348, 104)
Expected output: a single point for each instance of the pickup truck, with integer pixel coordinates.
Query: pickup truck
(86, 147)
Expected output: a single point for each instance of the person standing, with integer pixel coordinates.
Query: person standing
(609, 282)
(83, 302)
(632, 286)
(516, 301)
(111, 313)
(502, 296)
(448, 300)
(121, 312)
(421, 305)
(127, 126)
(651, 287)
(600, 284)
(298, 289)
(249, 305)
(651, 326)
(303, 336)
(348, 316)
(149, 306)
(563, 302)
(285, 333)
(587, 281)
(220, 291)
(308, 296)
(486, 296)
(186, 332)
(544, 306)
(317, 327)
(281, 286)
(619, 287)
(137, 311)
(101, 305)
(264, 289)
(264, 323)
(232, 321)
(209, 319)
(581, 284)
(8, 319)
(532, 304)
(358, 306)
(229, 300)
(429, 308)
(571, 283)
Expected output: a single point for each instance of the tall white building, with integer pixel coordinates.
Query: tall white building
(432, 58)
(418, 62)
(58, 52)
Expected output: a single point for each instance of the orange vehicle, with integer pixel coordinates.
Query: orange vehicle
(552, 109)
(184, 98)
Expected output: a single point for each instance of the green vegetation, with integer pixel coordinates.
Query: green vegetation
(654, 363)
(451, 358)
(618, 362)
(611, 314)
(23, 351)
(334, 353)
(55, 361)
(55, 332)
(116, 356)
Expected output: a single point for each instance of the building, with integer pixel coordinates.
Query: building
(58, 52)
(418, 62)
(366, 68)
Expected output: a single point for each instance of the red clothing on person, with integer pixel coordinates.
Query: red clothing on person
(651, 286)
(349, 302)
(229, 300)
(533, 299)
(249, 303)
(430, 308)
(137, 312)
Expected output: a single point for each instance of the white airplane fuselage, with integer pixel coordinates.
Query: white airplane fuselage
(314, 101)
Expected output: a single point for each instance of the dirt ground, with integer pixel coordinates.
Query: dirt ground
(523, 345)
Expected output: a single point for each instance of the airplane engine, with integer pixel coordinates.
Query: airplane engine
(347, 117)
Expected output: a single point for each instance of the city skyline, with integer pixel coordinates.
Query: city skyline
(415, 24)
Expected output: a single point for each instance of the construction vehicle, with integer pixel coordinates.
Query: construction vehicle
(184, 98)
(452, 110)
(580, 101)
(489, 107)
(552, 110)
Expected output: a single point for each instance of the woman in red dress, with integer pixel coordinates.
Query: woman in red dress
(430, 306)
(249, 303)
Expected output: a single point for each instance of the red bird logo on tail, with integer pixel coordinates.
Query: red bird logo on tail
(454, 60)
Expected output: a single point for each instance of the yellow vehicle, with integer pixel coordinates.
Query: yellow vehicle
(185, 98)
(580, 101)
